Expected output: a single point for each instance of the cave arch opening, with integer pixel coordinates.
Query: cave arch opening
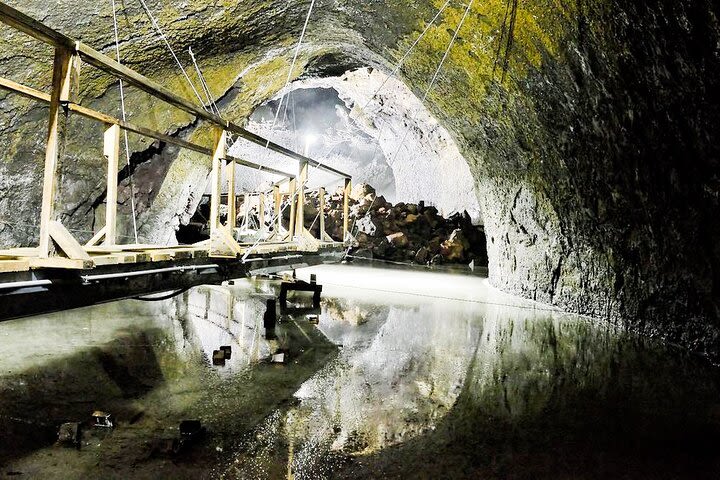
(374, 127)
(382, 136)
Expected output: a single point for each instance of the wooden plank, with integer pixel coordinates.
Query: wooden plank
(111, 150)
(261, 210)
(321, 211)
(140, 246)
(107, 260)
(96, 238)
(7, 266)
(56, 126)
(107, 64)
(130, 127)
(300, 209)
(291, 230)
(257, 166)
(347, 188)
(60, 262)
(216, 180)
(232, 211)
(23, 90)
(246, 213)
(19, 252)
(103, 249)
(110, 120)
(223, 244)
(277, 198)
(142, 257)
(182, 254)
(32, 27)
(161, 256)
(67, 243)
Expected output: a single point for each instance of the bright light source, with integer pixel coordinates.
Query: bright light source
(309, 140)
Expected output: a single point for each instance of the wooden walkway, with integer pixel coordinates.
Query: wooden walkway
(58, 249)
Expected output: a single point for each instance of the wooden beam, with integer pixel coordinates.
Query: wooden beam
(66, 242)
(24, 23)
(277, 199)
(97, 237)
(111, 150)
(261, 210)
(216, 179)
(107, 64)
(347, 188)
(55, 139)
(232, 199)
(321, 213)
(259, 167)
(14, 266)
(19, 252)
(223, 244)
(32, 27)
(291, 229)
(246, 208)
(60, 262)
(23, 90)
(130, 127)
(302, 181)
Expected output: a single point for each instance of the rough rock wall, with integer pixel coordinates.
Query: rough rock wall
(590, 127)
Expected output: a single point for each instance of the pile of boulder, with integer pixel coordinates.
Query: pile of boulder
(404, 232)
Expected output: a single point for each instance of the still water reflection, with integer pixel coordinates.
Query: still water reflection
(407, 375)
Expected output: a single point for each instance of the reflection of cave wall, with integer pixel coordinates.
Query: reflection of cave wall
(589, 128)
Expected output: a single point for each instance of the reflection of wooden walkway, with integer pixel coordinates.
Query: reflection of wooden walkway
(58, 249)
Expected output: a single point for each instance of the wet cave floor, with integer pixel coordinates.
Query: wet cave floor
(409, 374)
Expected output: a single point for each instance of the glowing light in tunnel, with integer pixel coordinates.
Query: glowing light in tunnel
(309, 140)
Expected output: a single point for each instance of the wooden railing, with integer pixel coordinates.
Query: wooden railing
(69, 56)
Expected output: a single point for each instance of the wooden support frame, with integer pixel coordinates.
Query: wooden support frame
(111, 150)
(69, 55)
(323, 236)
(216, 179)
(347, 189)
(293, 209)
(261, 210)
(97, 237)
(232, 199)
(300, 199)
(65, 70)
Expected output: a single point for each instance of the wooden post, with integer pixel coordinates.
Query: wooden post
(278, 204)
(293, 203)
(111, 149)
(66, 69)
(261, 210)
(321, 195)
(246, 211)
(302, 180)
(346, 207)
(232, 210)
(215, 199)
